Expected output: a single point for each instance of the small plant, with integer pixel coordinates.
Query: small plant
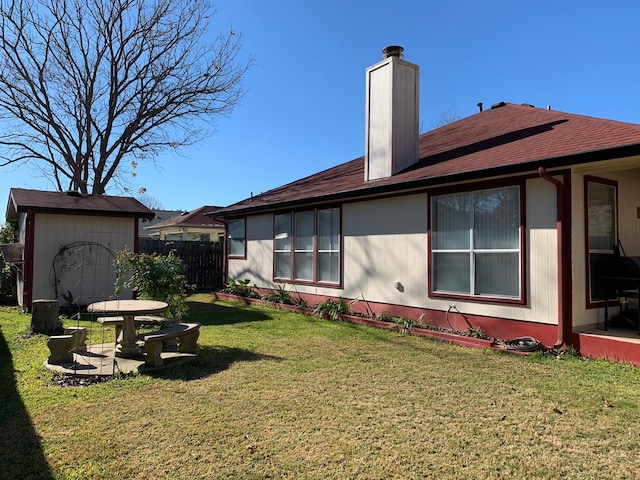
(407, 325)
(332, 309)
(241, 288)
(475, 332)
(279, 296)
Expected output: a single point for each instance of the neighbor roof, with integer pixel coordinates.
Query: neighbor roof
(505, 139)
(22, 200)
(200, 217)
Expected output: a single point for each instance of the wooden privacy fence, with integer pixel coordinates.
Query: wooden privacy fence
(203, 261)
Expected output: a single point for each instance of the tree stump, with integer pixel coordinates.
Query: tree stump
(45, 317)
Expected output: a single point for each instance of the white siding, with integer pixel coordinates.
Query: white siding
(385, 243)
(258, 267)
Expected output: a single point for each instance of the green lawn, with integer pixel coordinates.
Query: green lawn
(275, 394)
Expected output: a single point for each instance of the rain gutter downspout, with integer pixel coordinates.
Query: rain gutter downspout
(560, 248)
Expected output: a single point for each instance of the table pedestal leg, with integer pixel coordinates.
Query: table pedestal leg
(128, 348)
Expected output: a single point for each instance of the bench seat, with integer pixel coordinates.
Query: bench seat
(186, 333)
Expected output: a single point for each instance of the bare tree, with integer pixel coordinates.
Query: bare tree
(150, 202)
(88, 85)
(446, 117)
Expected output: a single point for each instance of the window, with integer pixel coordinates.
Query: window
(307, 246)
(602, 235)
(476, 243)
(236, 238)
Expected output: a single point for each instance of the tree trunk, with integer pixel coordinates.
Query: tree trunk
(45, 317)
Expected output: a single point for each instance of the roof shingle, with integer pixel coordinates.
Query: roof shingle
(509, 138)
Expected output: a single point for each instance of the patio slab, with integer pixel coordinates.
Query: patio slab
(100, 360)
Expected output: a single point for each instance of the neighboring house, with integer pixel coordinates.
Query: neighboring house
(197, 225)
(70, 241)
(159, 216)
(491, 221)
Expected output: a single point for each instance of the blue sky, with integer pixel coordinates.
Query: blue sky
(304, 108)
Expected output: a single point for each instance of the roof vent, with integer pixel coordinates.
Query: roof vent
(392, 51)
(498, 105)
(73, 193)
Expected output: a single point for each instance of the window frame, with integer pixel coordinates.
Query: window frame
(244, 238)
(590, 301)
(522, 252)
(293, 249)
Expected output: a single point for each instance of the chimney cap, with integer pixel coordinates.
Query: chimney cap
(393, 51)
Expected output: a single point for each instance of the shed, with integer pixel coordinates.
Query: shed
(70, 241)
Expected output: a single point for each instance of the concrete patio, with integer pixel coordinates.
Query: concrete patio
(100, 360)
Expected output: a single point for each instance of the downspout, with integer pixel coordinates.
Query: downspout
(560, 248)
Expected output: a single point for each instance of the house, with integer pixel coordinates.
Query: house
(494, 221)
(199, 224)
(69, 241)
(144, 224)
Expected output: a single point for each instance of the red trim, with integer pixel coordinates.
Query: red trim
(29, 249)
(226, 239)
(598, 346)
(314, 281)
(452, 189)
(610, 183)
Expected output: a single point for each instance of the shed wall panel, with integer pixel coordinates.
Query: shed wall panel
(74, 254)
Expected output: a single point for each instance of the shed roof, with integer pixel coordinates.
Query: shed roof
(22, 200)
(505, 139)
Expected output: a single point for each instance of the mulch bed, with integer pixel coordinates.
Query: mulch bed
(65, 380)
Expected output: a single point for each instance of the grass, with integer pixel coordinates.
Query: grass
(274, 394)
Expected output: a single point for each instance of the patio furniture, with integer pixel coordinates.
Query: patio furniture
(127, 346)
(186, 333)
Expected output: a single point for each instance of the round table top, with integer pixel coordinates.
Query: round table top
(127, 306)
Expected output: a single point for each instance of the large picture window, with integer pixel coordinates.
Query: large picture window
(306, 246)
(476, 243)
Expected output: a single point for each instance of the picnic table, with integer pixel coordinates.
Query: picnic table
(128, 310)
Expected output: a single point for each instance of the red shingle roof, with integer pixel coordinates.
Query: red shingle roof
(508, 139)
(196, 218)
(21, 200)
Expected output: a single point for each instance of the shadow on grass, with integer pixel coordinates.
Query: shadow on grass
(211, 360)
(21, 454)
(214, 314)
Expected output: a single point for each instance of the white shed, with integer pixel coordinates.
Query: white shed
(70, 241)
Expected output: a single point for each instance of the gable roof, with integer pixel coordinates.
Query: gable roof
(505, 139)
(200, 217)
(22, 200)
(159, 216)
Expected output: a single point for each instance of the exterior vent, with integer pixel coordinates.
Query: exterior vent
(498, 105)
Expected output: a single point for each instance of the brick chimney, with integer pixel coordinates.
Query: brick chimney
(391, 130)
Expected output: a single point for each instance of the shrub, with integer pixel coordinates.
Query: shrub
(279, 296)
(332, 309)
(154, 277)
(241, 288)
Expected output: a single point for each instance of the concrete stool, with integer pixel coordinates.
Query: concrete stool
(79, 336)
(61, 347)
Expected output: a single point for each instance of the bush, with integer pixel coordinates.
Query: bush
(332, 309)
(154, 277)
(240, 288)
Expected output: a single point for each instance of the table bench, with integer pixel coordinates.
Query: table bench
(152, 320)
(186, 333)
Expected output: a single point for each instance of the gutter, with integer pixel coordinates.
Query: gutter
(561, 342)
